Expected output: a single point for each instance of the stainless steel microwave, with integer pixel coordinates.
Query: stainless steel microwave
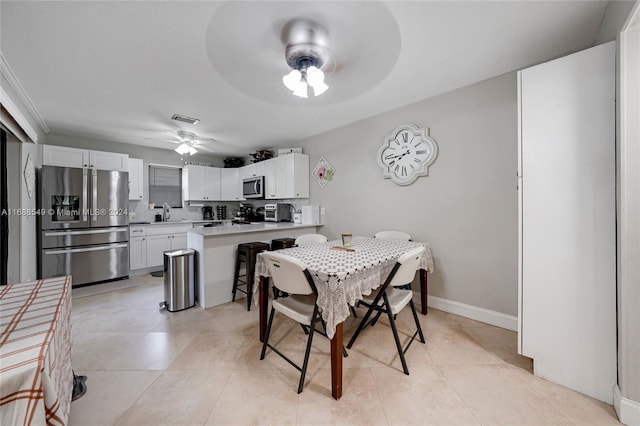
(253, 187)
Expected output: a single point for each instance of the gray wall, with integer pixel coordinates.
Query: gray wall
(466, 209)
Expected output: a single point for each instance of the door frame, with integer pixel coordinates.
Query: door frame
(4, 216)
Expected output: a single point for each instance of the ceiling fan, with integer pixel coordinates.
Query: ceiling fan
(189, 142)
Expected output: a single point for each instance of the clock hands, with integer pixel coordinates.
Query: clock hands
(399, 156)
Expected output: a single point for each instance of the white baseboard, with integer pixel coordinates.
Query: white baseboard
(628, 410)
(498, 319)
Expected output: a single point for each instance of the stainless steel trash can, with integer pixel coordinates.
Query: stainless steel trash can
(179, 280)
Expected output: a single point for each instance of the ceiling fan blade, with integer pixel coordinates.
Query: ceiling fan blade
(163, 140)
(204, 148)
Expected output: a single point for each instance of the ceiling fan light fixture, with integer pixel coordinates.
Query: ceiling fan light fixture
(185, 148)
(305, 53)
(315, 78)
(292, 80)
(301, 90)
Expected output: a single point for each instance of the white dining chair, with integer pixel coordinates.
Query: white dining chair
(290, 275)
(391, 299)
(393, 235)
(308, 239)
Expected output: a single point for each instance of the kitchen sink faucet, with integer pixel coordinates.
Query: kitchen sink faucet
(166, 213)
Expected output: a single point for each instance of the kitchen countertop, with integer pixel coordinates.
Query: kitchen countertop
(179, 222)
(253, 227)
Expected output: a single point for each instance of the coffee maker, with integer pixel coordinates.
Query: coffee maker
(207, 213)
(245, 212)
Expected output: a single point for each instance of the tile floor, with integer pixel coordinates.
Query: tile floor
(202, 367)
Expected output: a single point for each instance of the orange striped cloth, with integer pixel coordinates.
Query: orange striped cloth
(36, 380)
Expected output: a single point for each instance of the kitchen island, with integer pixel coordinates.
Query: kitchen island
(216, 248)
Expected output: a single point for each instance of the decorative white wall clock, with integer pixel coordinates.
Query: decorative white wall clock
(406, 154)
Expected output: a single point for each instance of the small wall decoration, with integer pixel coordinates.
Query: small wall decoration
(323, 172)
(29, 175)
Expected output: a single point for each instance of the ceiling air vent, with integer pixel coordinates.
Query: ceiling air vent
(185, 119)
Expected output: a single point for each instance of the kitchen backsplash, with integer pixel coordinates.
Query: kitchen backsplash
(141, 212)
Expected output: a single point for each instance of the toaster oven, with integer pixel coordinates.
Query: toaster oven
(279, 212)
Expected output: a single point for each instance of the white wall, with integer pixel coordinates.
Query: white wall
(28, 225)
(13, 202)
(466, 209)
(628, 150)
(22, 227)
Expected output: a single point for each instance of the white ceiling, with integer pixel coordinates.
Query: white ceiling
(119, 70)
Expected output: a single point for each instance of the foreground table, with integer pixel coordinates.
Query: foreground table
(35, 352)
(342, 278)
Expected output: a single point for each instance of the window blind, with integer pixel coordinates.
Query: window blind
(165, 186)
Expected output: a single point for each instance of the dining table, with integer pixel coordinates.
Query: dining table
(35, 352)
(343, 275)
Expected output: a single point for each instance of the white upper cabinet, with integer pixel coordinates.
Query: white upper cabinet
(251, 170)
(136, 178)
(230, 184)
(287, 176)
(270, 184)
(109, 161)
(64, 157)
(201, 183)
(74, 157)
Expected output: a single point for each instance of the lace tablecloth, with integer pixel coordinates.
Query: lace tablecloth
(343, 277)
(35, 352)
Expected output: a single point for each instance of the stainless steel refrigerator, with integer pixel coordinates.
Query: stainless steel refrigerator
(83, 224)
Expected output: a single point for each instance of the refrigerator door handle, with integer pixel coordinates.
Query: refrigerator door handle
(83, 250)
(93, 231)
(85, 194)
(94, 194)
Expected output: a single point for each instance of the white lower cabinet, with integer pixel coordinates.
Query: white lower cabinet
(156, 246)
(137, 253)
(147, 244)
(161, 238)
(137, 247)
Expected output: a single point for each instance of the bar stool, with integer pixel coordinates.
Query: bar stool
(282, 243)
(247, 253)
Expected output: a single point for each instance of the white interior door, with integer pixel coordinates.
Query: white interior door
(567, 185)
